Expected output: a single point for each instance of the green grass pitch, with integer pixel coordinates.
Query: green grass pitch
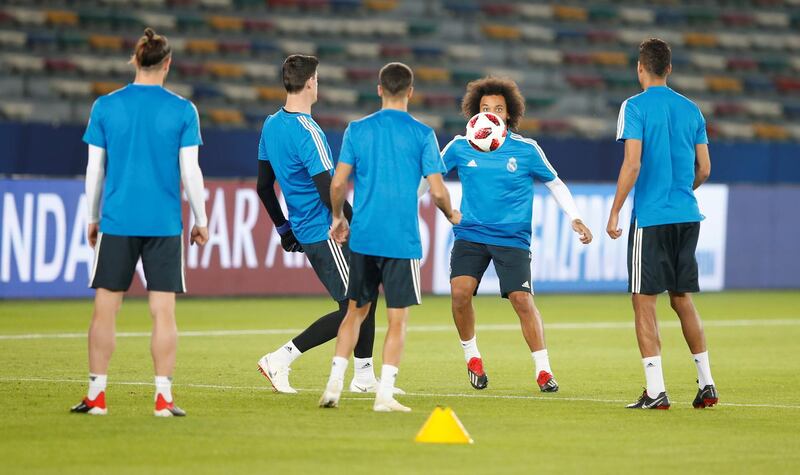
(237, 425)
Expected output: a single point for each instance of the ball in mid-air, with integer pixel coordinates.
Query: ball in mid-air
(486, 132)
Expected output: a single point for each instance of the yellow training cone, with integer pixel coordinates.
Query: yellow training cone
(443, 427)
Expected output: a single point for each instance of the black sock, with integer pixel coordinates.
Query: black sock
(326, 327)
(366, 338)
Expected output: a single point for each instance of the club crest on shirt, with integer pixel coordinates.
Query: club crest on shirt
(511, 166)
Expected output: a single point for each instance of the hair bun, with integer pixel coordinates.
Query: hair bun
(149, 33)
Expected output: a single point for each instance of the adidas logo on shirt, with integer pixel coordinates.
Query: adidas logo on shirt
(526, 285)
(472, 164)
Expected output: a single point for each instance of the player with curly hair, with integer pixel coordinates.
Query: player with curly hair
(497, 207)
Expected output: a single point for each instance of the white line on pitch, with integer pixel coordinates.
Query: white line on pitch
(369, 398)
(428, 328)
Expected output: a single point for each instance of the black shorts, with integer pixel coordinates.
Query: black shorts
(400, 279)
(115, 259)
(513, 265)
(661, 258)
(331, 262)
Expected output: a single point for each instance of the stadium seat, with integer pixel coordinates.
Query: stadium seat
(427, 52)
(501, 32)
(545, 56)
(591, 127)
(708, 61)
(610, 58)
(463, 76)
(759, 84)
(670, 16)
(701, 16)
(774, 64)
(216, 3)
(271, 94)
(15, 39)
(16, 110)
(733, 40)
(159, 21)
(398, 51)
(535, 11)
(770, 20)
(742, 64)
(226, 23)
(737, 19)
(764, 109)
(327, 121)
(729, 109)
(258, 24)
(787, 84)
(238, 93)
(71, 88)
(724, 84)
(106, 42)
(333, 95)
(461, 7)
(432, 74)
(570, 13)
(26, 16)
(585, 81)
(235, 46)
(578, 57)
(225, 70)
(226, 116)
(42, 40)
(700, 40)
(602, 13)
(688, 83)
(465, 52)
(297, 47)
(538, 33)
(418, 27)
(189, 68)
(602, 36)
(59, 65)
(22, 62)
(529, 125)
(101, 88)
(441, 100)
(381, 5)
(637, 15)
(62, 18)
(767, 131)
(202, 47)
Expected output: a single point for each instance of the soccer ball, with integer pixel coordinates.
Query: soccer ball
(486, 132)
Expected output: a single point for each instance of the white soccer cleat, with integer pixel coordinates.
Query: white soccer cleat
(333, 391)
(389, 405)
(371, 387)
(276, 374)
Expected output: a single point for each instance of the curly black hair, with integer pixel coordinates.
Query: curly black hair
(491, 86)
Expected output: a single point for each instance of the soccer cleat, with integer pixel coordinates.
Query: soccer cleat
(167, 409)
(389, 405)
(706, 397)
(547, 383)
(95, 407)
(371, 387)
(477, 377)
(646, 402)
(333, 391)
(276, 374)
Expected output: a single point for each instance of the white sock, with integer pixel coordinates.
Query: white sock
(286, 354)
(542, 361)
(653, 375)
(470, 348)
(703, 370)
(388, 377)
(364, 370)
(338, 368)
(164, 387)
(97, 384)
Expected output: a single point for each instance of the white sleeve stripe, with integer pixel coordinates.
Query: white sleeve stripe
(535, 145)
(323, 152)
(621, 119)
(457, 137)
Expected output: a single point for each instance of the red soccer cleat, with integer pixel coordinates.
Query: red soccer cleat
(95, 407)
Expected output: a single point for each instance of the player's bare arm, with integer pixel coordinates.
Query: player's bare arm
(339, 227)
(442, 198)
(565, 200)
(628, 174)
(702, 165)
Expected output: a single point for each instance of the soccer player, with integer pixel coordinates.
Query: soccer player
(143, 142)
(293, 149)
(666, 158)
(497, 204)
(389, 152)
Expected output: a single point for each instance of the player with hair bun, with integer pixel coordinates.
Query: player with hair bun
(143, 142)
